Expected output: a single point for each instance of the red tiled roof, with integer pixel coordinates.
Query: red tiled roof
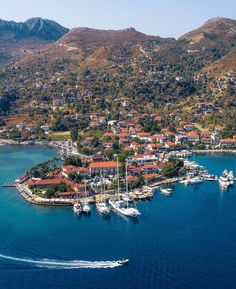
(150, 176)
(104, 165)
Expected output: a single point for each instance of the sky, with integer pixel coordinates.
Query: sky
(166, 18)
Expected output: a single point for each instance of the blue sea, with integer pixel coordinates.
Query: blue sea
(186, 241)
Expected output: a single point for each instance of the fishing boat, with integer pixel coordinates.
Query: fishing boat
(77, 207)
(86, 208)
(166, 192)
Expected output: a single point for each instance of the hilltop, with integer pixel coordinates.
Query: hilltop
(17, 39)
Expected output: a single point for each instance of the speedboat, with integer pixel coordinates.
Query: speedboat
(77, 208)
(86, 207)
(123, 261)
(166, 192)
(122, 208)
(103, 208)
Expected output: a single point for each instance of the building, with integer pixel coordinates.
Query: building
(104, 168)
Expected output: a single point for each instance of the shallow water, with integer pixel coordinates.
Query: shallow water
(184, 241)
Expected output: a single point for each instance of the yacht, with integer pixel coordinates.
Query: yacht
(123, 208)
(166, 192)
(86, 208)
(103, 208)
(77, 207)
(224, 182)
(195, 180)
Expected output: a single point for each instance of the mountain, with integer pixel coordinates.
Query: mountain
(16, 39)
(87, 37)
(212, 31)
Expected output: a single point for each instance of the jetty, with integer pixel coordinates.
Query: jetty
(165, 182)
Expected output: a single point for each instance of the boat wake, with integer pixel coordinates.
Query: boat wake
(57, 264)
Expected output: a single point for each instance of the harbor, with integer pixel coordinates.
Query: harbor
(172, 229)
(124, 202)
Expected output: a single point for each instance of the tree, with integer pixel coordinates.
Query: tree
(74, 134)
(73, 161)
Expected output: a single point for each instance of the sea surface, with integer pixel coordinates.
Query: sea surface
(186, 241)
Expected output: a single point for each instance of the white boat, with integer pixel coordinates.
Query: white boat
(166, 192)
(122, 208)
(123, 261)
(224, 182)
(77, 207)
(231, 175)
(86, 208)
(195, 180)
(103, 208)
(127, 198)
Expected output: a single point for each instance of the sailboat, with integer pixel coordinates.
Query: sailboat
(77, 207)
(102, 207)
(123, 207)
(86, 208)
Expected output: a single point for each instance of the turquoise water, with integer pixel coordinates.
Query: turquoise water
(185, 241)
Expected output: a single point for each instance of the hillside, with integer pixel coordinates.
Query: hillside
(17, 39)
(212, 31)
(90, 70)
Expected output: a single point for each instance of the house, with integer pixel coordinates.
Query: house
(104, 168)
(189, 127)
(180, 138)
(170, 145)
(206, 140)
(149, 168)
(142, 159)
(229, 142)
(67, 170)
(192, 136)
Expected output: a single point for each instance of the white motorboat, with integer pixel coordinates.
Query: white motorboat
(123, 261)
(77, 207)
(195, 180)
(123, 208)
(103, 208)
(127, 198)
(224, 182)
(166, 191)
(86, 208)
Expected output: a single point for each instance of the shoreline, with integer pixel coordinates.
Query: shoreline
(215, 151)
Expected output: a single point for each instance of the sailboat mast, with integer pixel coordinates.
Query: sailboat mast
(118, 178)
(126, 178)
